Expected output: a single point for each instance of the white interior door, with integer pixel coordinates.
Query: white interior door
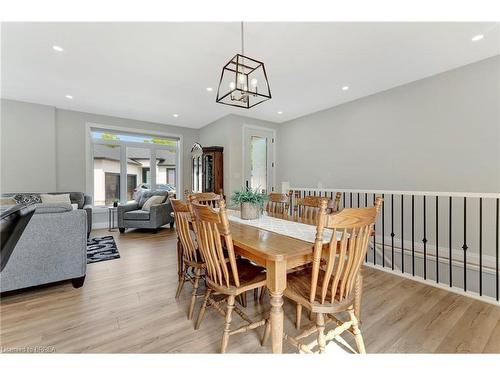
(259, 158)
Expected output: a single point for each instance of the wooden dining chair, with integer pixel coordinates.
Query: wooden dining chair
(307, 208)
(278, 203)
(191, 257)
(209, 199)
(328, 287)
(226, 275)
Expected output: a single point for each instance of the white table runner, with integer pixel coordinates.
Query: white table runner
(288, 228)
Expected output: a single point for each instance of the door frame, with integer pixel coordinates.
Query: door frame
(273, 149)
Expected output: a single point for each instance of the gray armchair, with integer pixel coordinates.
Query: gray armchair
(131, 215)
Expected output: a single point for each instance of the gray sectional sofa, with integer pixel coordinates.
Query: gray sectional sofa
(53, 247)
(83, 201)
(131, 215)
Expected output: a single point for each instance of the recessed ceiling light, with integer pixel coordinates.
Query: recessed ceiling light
(345, 88)
(69, 97)
(57, 48)
(210, 89)
(175, 115)
(477, 37)
(280, 112)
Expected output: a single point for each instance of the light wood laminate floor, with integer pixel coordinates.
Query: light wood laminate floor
(128, 305)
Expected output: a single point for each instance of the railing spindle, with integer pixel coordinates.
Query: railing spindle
(392, 232)
(366, 205)
(383, 231)
(437, 239)
(374, 239)
(402, 237)
(450, 244)
(497, 287)
(413, 235)
(464, 246)
(480, 246)
(424, 240)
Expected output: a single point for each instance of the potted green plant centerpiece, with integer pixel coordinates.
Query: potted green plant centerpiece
(251, 202)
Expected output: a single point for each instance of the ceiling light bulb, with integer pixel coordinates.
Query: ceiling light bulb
(209, 89)
(280, 112)
(477, 37)
(242, 78)
(57, 48)
(253, 82)
(345, 88)
(232, 85)
(69, 96)
(175, 115)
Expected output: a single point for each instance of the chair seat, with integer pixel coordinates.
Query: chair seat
(250, 276)
(136, 215)
(298, 289)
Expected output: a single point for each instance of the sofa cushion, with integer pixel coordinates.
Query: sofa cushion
(148, 194)
(52, 208)
(55, 198)
(136, 215)
(74, 196)
(27, 198)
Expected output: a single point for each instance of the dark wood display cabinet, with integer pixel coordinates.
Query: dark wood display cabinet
(207, 169)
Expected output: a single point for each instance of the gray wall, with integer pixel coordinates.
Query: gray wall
(28, 147)
(228, 133)
(43, 148)
(437, 134)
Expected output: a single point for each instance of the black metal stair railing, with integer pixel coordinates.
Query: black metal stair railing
(459, 246)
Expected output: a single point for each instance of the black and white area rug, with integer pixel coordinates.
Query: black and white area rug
(101, 248)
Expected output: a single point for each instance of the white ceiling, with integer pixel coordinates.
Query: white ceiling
(149, 71)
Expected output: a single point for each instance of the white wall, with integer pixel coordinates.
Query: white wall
(228, 133)
(28, 147)
(437, 134)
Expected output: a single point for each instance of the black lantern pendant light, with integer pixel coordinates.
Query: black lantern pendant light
(243, 81)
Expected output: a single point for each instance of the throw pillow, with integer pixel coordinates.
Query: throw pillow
(152, 201)
(7, 201)
(148, 194)
(27, 198)
(55, 198)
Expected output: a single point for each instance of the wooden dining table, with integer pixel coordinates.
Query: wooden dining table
(278, 253)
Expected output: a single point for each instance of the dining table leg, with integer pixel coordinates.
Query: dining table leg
(276, 284)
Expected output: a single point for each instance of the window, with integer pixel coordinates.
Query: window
(106, 174)
(122, 165)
